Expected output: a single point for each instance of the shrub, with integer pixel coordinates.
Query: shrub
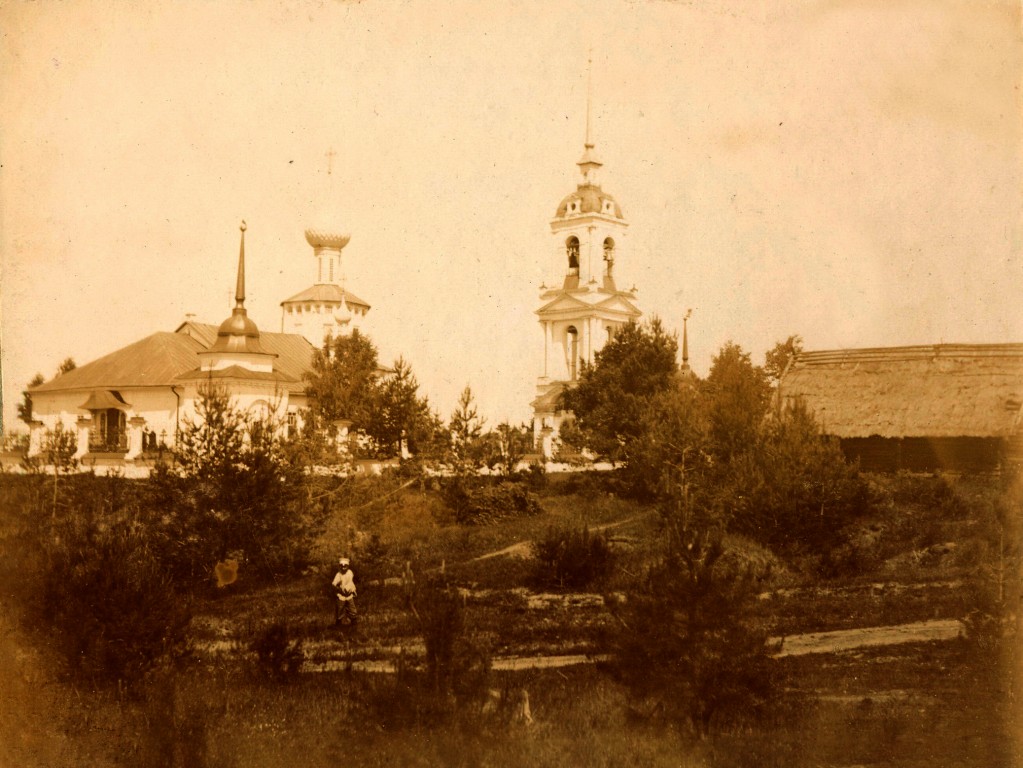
(684, 640)
(456, 665)
(794, 492)
(278, 657)
(105, 596)
(927, 491)
(574, 559)
(483, 504)
(235, 489)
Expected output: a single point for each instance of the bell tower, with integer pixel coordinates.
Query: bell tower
(581, 305)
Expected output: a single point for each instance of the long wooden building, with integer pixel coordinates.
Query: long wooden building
(942, 406)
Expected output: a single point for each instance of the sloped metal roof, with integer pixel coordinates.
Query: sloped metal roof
(327, 293)
(153, 361)
(160, 359)
(943, 390)
(237, 372)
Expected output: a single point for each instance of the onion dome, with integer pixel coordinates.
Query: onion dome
(343, 315)
(326, 237)
(325, 230)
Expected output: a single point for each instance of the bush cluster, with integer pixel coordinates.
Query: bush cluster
(111, 610)
(932, 492)
(484, 504)
(572, 559)
(278, 656)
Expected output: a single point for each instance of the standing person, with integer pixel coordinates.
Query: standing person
(344, 586)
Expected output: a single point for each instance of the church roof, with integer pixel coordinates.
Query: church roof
(941, 390)
(294, 352)
(591, 199)
(153, 361)
(547, 399)
(238, 372)
(327, 293)
(161, 358)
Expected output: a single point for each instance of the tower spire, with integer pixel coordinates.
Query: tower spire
(239, 291)
(589, 99)
(588, 163)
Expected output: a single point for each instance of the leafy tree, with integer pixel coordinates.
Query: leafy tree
(685, 646)
(777, 358)
(795, 492)
(236, 490)
(105, 595)
(572, 558)
(466, 426)
(59, 446)
(613, 393)
(671, 458)
(399, 413)
(25, 406)
(515, 442)
(343, 381)
(738, 396)
(69, 364)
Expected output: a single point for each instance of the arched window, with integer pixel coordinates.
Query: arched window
(572, 249)
(609, 254)
(572, 349)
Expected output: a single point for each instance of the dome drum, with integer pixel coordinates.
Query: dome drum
(587, 199)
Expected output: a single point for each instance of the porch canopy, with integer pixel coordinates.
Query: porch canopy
(102, 399)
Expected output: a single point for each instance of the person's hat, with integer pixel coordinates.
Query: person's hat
(343, 561)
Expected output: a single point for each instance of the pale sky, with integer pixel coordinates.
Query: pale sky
(846, 170)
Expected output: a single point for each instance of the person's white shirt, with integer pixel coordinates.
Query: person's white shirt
(344, 580)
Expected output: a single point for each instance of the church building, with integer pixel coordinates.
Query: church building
(135, 399)
(582, 305)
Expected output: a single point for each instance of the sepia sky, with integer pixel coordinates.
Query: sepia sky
(846, 170)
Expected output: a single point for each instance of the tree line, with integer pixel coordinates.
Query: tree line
(716, 453)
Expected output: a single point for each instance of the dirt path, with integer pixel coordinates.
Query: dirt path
(523, 549)
(866, 637)
(339, 658)
(794, 645)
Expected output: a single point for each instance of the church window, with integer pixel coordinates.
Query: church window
(331, 269)
(609, 254)
(572, 249)
(572, 339)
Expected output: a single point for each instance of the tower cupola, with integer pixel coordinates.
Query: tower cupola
(237, 344)
(238, 333)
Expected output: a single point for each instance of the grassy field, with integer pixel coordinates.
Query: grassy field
(927, 555)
